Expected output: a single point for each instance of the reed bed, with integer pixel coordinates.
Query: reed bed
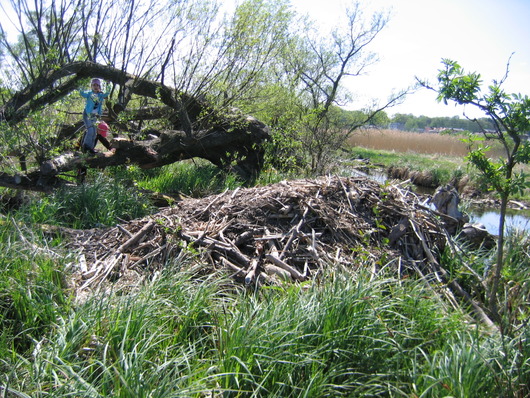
(406, 141)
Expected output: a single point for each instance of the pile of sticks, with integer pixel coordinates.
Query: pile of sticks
(290, 230)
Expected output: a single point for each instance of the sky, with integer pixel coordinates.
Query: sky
(480, 35)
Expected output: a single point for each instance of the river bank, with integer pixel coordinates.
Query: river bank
(482, 208)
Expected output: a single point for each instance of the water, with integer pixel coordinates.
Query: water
(515, 219)
(374, 174)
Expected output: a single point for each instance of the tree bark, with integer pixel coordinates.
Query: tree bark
(232, 142)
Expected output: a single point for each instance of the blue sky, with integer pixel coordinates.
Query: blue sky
(479, 34)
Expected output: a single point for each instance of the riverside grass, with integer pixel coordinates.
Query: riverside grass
(186, 334)
(441, 155)
(414, 142)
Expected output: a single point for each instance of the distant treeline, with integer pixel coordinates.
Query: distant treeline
(422, 123)
(408, 122)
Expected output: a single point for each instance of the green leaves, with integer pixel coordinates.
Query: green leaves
(491, 170)
(510, 115)
(456, 85)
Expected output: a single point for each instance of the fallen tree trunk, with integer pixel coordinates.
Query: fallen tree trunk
(172, 146)
(230, 140)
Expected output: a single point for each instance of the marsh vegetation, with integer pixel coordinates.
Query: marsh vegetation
(187, 332)
(370, 321)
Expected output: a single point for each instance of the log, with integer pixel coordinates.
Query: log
(295, 274)
(136, 238)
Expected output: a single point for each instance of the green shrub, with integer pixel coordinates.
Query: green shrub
(102, 202)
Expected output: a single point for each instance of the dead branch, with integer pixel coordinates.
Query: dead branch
(293, 229)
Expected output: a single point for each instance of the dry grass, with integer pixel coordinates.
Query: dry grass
(403, 141)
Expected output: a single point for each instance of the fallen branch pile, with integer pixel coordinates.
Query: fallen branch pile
(290, 230)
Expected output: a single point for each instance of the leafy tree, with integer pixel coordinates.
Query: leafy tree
(510, 117)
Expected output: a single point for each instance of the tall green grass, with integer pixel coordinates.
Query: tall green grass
(184, 334)
(193, 178)
(444, 166)
(102, 201)
(33, 290)
(196, 178)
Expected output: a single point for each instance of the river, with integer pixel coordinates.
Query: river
(489, 217)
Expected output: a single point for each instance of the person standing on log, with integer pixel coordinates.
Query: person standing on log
(101, 136)
(92, 112)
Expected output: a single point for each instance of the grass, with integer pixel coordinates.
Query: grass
(443, 169)
(32, 289)
(413, 160)
(409, 142)
(185, 335)
(122, 193)
(195, 178)
(194, 335)
(101, 202)
(439, 162)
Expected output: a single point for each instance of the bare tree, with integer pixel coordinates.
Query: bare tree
(322, 64)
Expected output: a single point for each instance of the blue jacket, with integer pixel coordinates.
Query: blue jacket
(94, 101)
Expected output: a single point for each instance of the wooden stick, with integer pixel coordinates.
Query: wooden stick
(453, 284)
(140, 234)
(232, 266)
(280, 263)
(124, 231)
(148, 256)
(294, 233)
(227, 247)
(251, 274)
(273, 269)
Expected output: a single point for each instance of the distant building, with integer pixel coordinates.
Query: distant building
(396, 126)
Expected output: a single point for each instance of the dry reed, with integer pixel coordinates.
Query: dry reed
(403, 141)
(422, 143)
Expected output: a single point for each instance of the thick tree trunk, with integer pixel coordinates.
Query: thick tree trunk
(174, 145)
(232, 142)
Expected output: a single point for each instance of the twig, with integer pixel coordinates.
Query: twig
(454, 285)
(148, 256)
(251, 274)
(231, 265)
(280, 263)
(140, 234)
(294, 233)
(213, 201)
(125, 231)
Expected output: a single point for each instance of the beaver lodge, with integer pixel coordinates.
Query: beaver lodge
(289, 231)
